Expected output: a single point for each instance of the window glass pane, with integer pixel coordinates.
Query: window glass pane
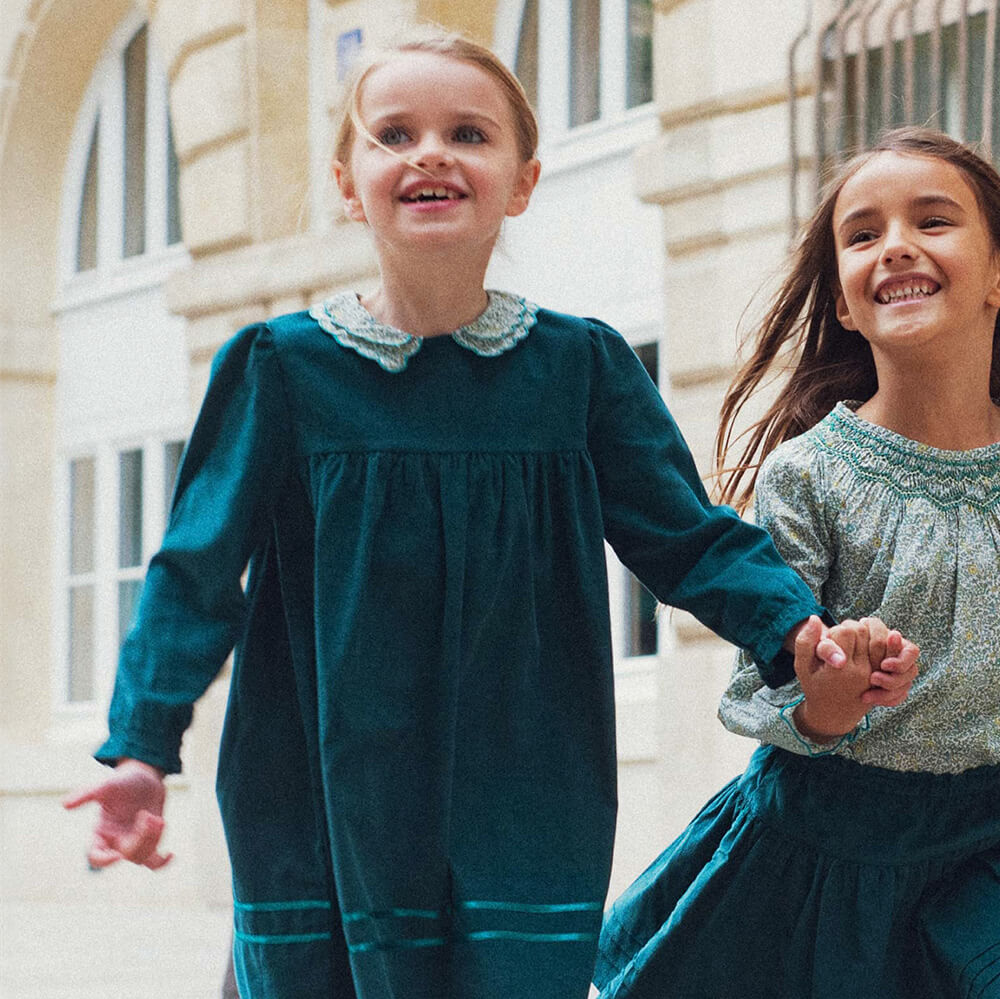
(134, 238)
(526, 64)
(129, 509)
(649, 354)
(128, 604)
(172, 452)
(639, 57)
(82, 500)
(173, 191)
(86, 237)
(640, 604)
(640, 615)
(585, 62)
(80, 682)
(976, 77)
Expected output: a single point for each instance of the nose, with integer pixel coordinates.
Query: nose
(898, 244)
(432, 152)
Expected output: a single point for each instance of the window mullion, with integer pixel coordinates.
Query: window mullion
(106, 540)
(553, 66)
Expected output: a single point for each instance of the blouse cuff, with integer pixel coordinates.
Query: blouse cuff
(812, 747)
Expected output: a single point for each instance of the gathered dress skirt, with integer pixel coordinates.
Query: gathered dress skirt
(819, 878)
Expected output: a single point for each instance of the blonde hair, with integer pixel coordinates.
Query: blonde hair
(438, 42)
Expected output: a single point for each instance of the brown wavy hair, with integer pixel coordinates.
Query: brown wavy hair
(801, 334)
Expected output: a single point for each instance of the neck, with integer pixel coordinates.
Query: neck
(950, 410)
(438, 298)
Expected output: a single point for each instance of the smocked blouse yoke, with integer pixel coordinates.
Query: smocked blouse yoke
(881, 525)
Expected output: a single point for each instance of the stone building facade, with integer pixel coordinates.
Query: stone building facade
(164, 180)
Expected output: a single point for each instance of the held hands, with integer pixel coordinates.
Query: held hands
(846, 670)
(130, 822)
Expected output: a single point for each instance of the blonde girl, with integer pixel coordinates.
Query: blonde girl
(861, 861)
(417, 773)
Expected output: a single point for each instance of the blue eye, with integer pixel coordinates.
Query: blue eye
(392, 135)
(469, 133)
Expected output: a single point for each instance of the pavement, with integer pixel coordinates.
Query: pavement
(73, 951)
(52, 950)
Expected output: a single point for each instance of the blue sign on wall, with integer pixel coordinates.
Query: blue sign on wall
(348, 47)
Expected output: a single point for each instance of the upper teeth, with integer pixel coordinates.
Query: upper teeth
(432, 192)
(905, 291)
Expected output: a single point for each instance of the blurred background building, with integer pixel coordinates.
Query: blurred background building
(164, 179)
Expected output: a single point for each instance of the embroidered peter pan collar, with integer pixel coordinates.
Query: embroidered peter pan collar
(506, 320)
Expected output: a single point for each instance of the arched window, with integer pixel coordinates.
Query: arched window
(583, 61)
(128, 203)
(122, 379)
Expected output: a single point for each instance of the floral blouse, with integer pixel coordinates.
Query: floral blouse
(881, 525)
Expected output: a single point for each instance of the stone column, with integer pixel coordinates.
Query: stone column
(720, 170)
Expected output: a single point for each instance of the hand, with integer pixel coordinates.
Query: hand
(894, 665)
(834, 686)
(130, 822)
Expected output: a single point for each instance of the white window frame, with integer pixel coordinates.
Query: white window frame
(617, 127)
(114, 273)
(114, 278)
(106, 573)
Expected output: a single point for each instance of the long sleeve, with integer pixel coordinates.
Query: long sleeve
(788, 505)
(192, 609)
(662, 525)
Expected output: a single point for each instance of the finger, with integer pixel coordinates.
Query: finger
(845, 637)
(807, 641)
(102, 856)
(81, 798)
(877, 697)
(890, 681)
(140, 845)
(833, 652)
(907, 663)
(158, 860)
(878, 635)
(905, 673)
(893, 643)
(906, 659)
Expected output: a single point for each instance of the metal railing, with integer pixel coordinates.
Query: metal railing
(882, 63)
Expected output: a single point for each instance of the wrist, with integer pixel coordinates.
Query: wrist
(818, 730)
(141, 765)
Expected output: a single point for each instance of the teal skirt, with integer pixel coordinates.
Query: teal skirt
(819, 878)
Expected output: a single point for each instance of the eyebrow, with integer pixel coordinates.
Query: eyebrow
(405, 114)
(922, 201)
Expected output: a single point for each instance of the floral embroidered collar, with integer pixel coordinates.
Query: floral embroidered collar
(506, 320)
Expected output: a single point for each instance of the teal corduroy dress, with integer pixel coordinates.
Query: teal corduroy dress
(417, 772)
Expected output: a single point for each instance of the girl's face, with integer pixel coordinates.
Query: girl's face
(457, 172)
(914, 256)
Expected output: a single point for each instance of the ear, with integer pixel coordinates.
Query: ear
(353, 208)
(843, 313)
(527, 178)
(993, 293)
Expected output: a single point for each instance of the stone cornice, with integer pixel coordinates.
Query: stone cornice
(264, 272)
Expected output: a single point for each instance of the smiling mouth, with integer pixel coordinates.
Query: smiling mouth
(908, 292)
(431, 194)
